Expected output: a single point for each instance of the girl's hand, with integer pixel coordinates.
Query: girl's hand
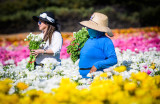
(93, 69)
(36, 52)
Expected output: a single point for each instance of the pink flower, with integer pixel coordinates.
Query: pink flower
(145, 66)
(148, 72)
(143, 71)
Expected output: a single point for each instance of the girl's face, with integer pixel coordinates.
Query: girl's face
(42, 25)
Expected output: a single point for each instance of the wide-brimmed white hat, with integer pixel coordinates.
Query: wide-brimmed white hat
(99, 22)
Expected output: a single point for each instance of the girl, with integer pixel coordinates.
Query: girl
(49, 54)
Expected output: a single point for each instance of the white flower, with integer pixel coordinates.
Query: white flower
(109, 73)
(74, 33)
(82, 81)
(46, 79)
(10, 61)
(89, 75)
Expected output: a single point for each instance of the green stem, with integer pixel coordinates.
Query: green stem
(33, 60)
(29, 62)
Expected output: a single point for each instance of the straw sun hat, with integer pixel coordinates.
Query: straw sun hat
(99, 22)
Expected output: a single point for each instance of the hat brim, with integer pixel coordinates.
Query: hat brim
(95, 26)
(36, 18)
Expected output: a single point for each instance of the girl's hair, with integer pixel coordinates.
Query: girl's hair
(49, 33)
(51, 28)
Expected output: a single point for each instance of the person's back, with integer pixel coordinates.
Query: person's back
(95, 51)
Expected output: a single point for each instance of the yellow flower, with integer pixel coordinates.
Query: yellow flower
(66, 91)
(119, 97)
(5, 85)
(66, 84)
(155, 93)
(97, 78)
(130, 86)
(118, 79)
(7, 81)
(149, 83)
(90, 102)
(8, 99)
(141, 92)
(147, 99)
(120, 68)
(33, 94)
(104, 75)
(13, 99)
(25, 100)
(21, 86)
(157, 79)
(140, 76)
(152, 67)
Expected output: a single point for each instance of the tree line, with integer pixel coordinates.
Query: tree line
(16, 15)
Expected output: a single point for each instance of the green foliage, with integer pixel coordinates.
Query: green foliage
(150, 16)
(34, 43)
(6, 67)
(12, 6)
(77, 43)
(16, 15)
(157, 73)
(22, 20)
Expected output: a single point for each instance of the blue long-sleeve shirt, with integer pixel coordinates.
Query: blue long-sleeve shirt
(99, 52)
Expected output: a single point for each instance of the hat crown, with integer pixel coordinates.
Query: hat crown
(48, 15)
(99, 22)
(100, 19)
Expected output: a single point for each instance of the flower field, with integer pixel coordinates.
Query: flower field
(134, 79)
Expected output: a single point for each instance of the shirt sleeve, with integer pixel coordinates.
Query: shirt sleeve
(56, 43)
(110, 56)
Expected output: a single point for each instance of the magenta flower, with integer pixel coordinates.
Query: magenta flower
(139, 41)
(148, 72)
(145, 66)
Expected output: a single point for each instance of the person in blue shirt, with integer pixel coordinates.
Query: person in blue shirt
(98, 52)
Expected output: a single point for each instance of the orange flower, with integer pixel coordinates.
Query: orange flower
(22, 86)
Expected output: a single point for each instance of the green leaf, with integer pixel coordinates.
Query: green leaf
(77, 44)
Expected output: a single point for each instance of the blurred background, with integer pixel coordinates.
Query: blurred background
(16, 15)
